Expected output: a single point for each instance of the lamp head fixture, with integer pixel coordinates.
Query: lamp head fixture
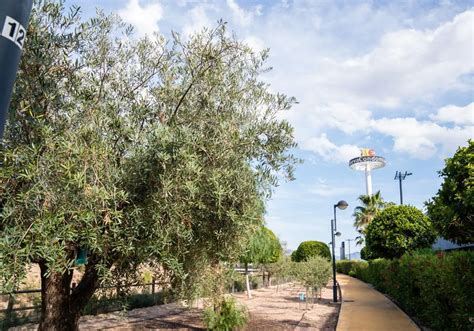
(342, 205)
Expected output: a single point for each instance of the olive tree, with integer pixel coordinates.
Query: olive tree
(314, 273)
(282, 269)
(134, 150)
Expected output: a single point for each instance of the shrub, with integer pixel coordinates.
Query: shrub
(308, 249)
(366, 254)
(345, 266)
(239, 282)
(225, 316)
(354, 268)
(436, 288)
(397, 230)
(314, 273)
(451, 209)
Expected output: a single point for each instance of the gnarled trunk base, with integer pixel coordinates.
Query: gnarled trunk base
(61, 307)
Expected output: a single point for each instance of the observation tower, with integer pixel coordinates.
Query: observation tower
(367, 161)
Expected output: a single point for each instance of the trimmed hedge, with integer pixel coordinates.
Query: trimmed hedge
(438, 288)
(310, 248)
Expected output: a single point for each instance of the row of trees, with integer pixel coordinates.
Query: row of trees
(136, 151)
(391, 230)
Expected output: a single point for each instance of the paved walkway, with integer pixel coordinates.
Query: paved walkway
(364, 308)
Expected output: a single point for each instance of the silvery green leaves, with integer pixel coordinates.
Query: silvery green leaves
(143, 150)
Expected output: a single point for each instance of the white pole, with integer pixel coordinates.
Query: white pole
(368, 180)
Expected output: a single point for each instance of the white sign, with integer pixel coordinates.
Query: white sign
(14, 31)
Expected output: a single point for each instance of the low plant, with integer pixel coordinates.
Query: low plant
(225, 315)
(313, 274)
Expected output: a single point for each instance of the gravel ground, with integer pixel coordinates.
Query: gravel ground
(272, 310)
(269, 309)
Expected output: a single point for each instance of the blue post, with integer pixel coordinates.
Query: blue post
(14, 16)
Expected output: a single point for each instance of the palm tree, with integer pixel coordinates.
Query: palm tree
(371, 205)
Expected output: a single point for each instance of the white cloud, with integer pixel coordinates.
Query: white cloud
(406, 64)
(355, 94)
(329, 151)
(325, 190)
(255, 43)
(197, 19)
(454, 114)
(344, 117)
(420, 139)
(241, 16)
(144, 18)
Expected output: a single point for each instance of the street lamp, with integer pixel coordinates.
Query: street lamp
(341, 205)
(349, 241)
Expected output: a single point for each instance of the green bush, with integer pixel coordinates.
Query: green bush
(398, 230)
(366, 254)
(308, 249)
(255, 282)
(451, 209)
(239, 284)
(436, 288)
(354, 268)
(345, 266)
(225, 316)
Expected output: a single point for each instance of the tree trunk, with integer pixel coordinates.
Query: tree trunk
(247, 281)
(61, 307)
(306, 297)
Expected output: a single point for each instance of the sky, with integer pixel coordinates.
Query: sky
(394, 76)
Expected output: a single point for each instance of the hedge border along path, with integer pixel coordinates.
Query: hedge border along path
(436, 288)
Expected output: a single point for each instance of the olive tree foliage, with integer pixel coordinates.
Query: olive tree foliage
(452, 208)
(397, 230)
(137, 150)
(282, 268)
(314, 274)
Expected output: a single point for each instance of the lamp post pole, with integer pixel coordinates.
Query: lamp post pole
(349, 241)
(341, 205)
(334, 286)
(401, 177)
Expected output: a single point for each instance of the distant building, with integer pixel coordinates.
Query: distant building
(442, 244)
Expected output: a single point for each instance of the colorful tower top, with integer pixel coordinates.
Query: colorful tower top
(367, 161)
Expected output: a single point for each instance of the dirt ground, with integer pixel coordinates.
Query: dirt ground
(269, 309)
(282, 310)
